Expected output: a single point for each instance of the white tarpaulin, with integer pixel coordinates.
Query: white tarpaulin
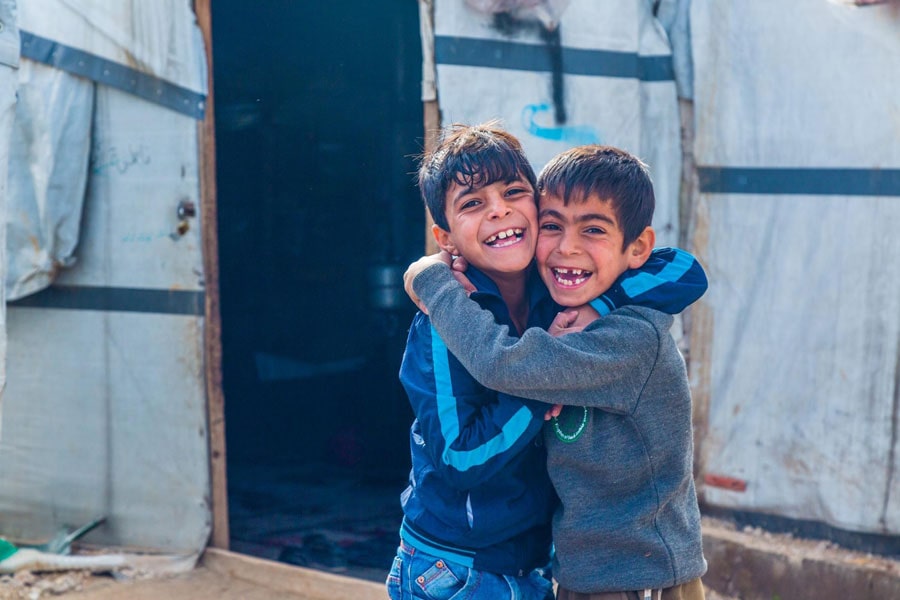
(158, 38)
(48, 170)
(614, 84)
(149, 49)
(104, 413)
(795, 345)
(9, 60)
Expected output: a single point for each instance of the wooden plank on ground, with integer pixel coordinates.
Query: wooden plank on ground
(308, 583)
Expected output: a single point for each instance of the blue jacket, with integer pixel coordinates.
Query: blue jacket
(479, 493)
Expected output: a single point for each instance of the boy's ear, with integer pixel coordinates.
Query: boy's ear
(442, 237)
(639, 250)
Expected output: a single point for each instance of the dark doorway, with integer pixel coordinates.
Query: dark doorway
(318, 114)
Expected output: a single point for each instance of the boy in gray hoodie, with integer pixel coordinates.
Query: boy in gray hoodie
(620, 453)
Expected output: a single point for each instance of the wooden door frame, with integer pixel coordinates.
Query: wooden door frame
(212, 343)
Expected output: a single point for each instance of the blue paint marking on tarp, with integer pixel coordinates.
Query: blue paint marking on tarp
(115, 75)
(115, 299)
(810, 181)
(517, 56)
(571, 134)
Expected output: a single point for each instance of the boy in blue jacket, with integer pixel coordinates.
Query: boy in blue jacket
(479, 502)
(620, 453)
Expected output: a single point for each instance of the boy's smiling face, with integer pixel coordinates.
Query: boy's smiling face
(494, 226)
(580, 250)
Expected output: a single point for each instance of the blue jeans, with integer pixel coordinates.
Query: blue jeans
(421, 576)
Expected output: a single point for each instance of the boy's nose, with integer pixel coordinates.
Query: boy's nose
(568, 244)
(499, 207)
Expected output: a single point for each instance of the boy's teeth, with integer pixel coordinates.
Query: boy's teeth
(579, 276)
(503, 235)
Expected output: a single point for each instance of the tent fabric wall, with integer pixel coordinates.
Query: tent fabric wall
(9, 34)
(105, 408)
(148, 49)
(674, 16)
(48, 167)
(159, 38)
(798, 153)
(105, 411)
(9, 61)
(618, 86)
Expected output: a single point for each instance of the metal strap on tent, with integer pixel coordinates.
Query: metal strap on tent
(84, 64)
(811, 181)
(517, 56)
(159, 301)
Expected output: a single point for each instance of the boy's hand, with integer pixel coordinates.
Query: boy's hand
(426, 261)
(553, 411)
(563, 323)
(459, 267)
(572, 320)
(459, 264)
(416, 268)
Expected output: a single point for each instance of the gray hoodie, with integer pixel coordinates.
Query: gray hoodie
(628, 518)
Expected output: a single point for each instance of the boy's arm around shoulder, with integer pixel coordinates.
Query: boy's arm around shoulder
(605, 365)
(470, 433)
(670, 281)
(458, 266)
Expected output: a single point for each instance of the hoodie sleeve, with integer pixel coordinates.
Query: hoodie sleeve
(669, 281)
(603, 366)
(613, 355)
(468, 431)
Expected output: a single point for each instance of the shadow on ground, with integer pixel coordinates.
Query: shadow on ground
(317, 516)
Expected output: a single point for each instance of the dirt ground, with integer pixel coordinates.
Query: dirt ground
(221, 575)
(225, 575)
(200, 584)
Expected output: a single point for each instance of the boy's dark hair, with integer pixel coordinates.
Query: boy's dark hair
(609, 173)
(471, 156)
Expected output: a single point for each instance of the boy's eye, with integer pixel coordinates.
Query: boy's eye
(595, 230)
(515, 191)
(469, 204)
(549, 227)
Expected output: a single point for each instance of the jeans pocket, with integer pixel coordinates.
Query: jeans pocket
(393, 579)
(438, 582)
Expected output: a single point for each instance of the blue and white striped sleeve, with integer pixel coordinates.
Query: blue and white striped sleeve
(669, 281)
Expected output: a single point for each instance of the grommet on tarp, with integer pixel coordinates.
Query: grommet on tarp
(186, 209)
